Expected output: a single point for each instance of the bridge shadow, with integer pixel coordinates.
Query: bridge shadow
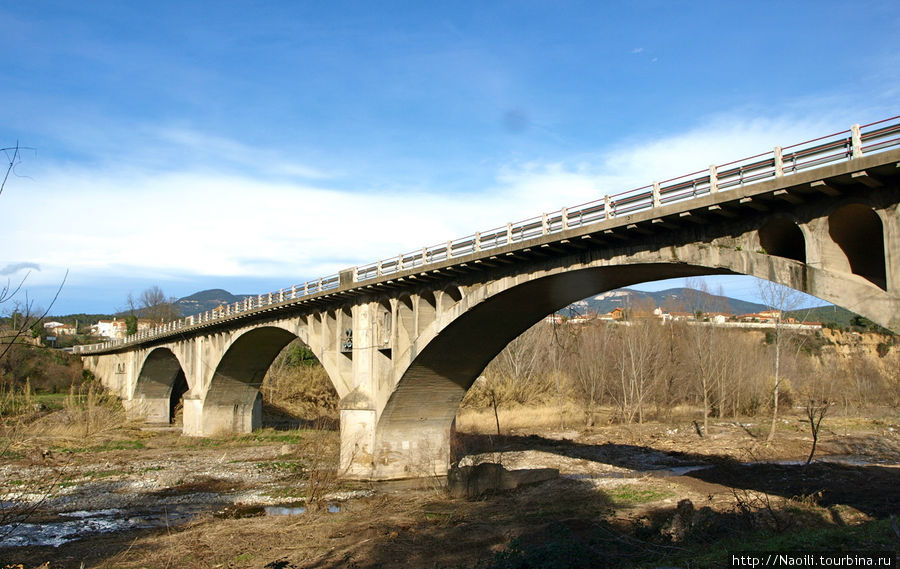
(869, 488)
(281, 419)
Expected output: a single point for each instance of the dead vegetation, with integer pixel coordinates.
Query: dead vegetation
(611, 407)
(612, 506)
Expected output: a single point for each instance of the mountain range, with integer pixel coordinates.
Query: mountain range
(672, 300)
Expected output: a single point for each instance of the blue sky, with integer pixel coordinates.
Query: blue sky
(250, 146)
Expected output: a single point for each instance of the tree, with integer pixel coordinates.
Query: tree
(782, 299)
(592, 367)
(815, 413)
(24, 315)
(637, 364)
(152, 305)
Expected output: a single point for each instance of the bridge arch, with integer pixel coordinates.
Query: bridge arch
(411, 427)
(160, 385)
(233, 403)
(858, 231)
(781, 236)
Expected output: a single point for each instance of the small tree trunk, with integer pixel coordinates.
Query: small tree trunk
(496, 415)
(775, 384)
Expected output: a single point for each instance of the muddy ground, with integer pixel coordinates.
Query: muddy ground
(154, 499)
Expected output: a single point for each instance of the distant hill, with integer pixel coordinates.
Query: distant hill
(206, 300)
(673, 300)
(836, 315)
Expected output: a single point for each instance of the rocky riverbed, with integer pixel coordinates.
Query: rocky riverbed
(121, 502)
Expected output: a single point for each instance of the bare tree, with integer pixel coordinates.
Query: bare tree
(637, 367)
(781, 299)
(25, 315)
(815, 413)
(518, 373)
(154, 305)
(592, 366)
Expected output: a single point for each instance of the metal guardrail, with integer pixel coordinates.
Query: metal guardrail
(843, 145)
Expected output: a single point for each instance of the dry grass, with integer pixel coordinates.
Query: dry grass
(482, 421)
(302, 391)
(89, 413)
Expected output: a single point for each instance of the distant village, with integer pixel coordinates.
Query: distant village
(107, 329)
(116, 328)
(764, 319)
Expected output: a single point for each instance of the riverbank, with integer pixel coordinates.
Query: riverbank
(139, 498)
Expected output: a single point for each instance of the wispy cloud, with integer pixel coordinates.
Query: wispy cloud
(124, 224)
(220, 150)
(14, 268)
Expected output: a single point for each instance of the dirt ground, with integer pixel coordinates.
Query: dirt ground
(619, 501)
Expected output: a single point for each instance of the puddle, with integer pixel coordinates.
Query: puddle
(678, 470)
(295, 510)
(71, 526)
(843, 459)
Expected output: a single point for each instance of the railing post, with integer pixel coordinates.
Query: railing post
(478, 241)
(564, 216)
(306, 288)
(656, 202)
(378, 269)
(399, 263)
(855, 141)
(293, 291)
(424, 256)
(449, 249)
(320, 284)
(607, 208)
(509, 235)
(281, 295)
(545, 226)
(713, 179)
(779, 162)
(270, 298)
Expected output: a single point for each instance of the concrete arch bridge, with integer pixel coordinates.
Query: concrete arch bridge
(402, 339)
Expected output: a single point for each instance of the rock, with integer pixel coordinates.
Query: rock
(681, 522)
(475, 481)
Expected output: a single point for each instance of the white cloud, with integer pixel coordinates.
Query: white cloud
(129, 223)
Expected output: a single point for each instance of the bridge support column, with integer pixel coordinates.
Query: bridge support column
(414, 450)
(193, 417)
(207, 418)
(154, 410)
(357, 443)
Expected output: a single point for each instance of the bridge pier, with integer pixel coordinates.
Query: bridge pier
(153, 410)
(209, 418)
(193, 416)
(403, 451)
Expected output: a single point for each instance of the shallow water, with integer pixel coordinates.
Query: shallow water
(295, 510)
(70, 526)
(843, 459)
